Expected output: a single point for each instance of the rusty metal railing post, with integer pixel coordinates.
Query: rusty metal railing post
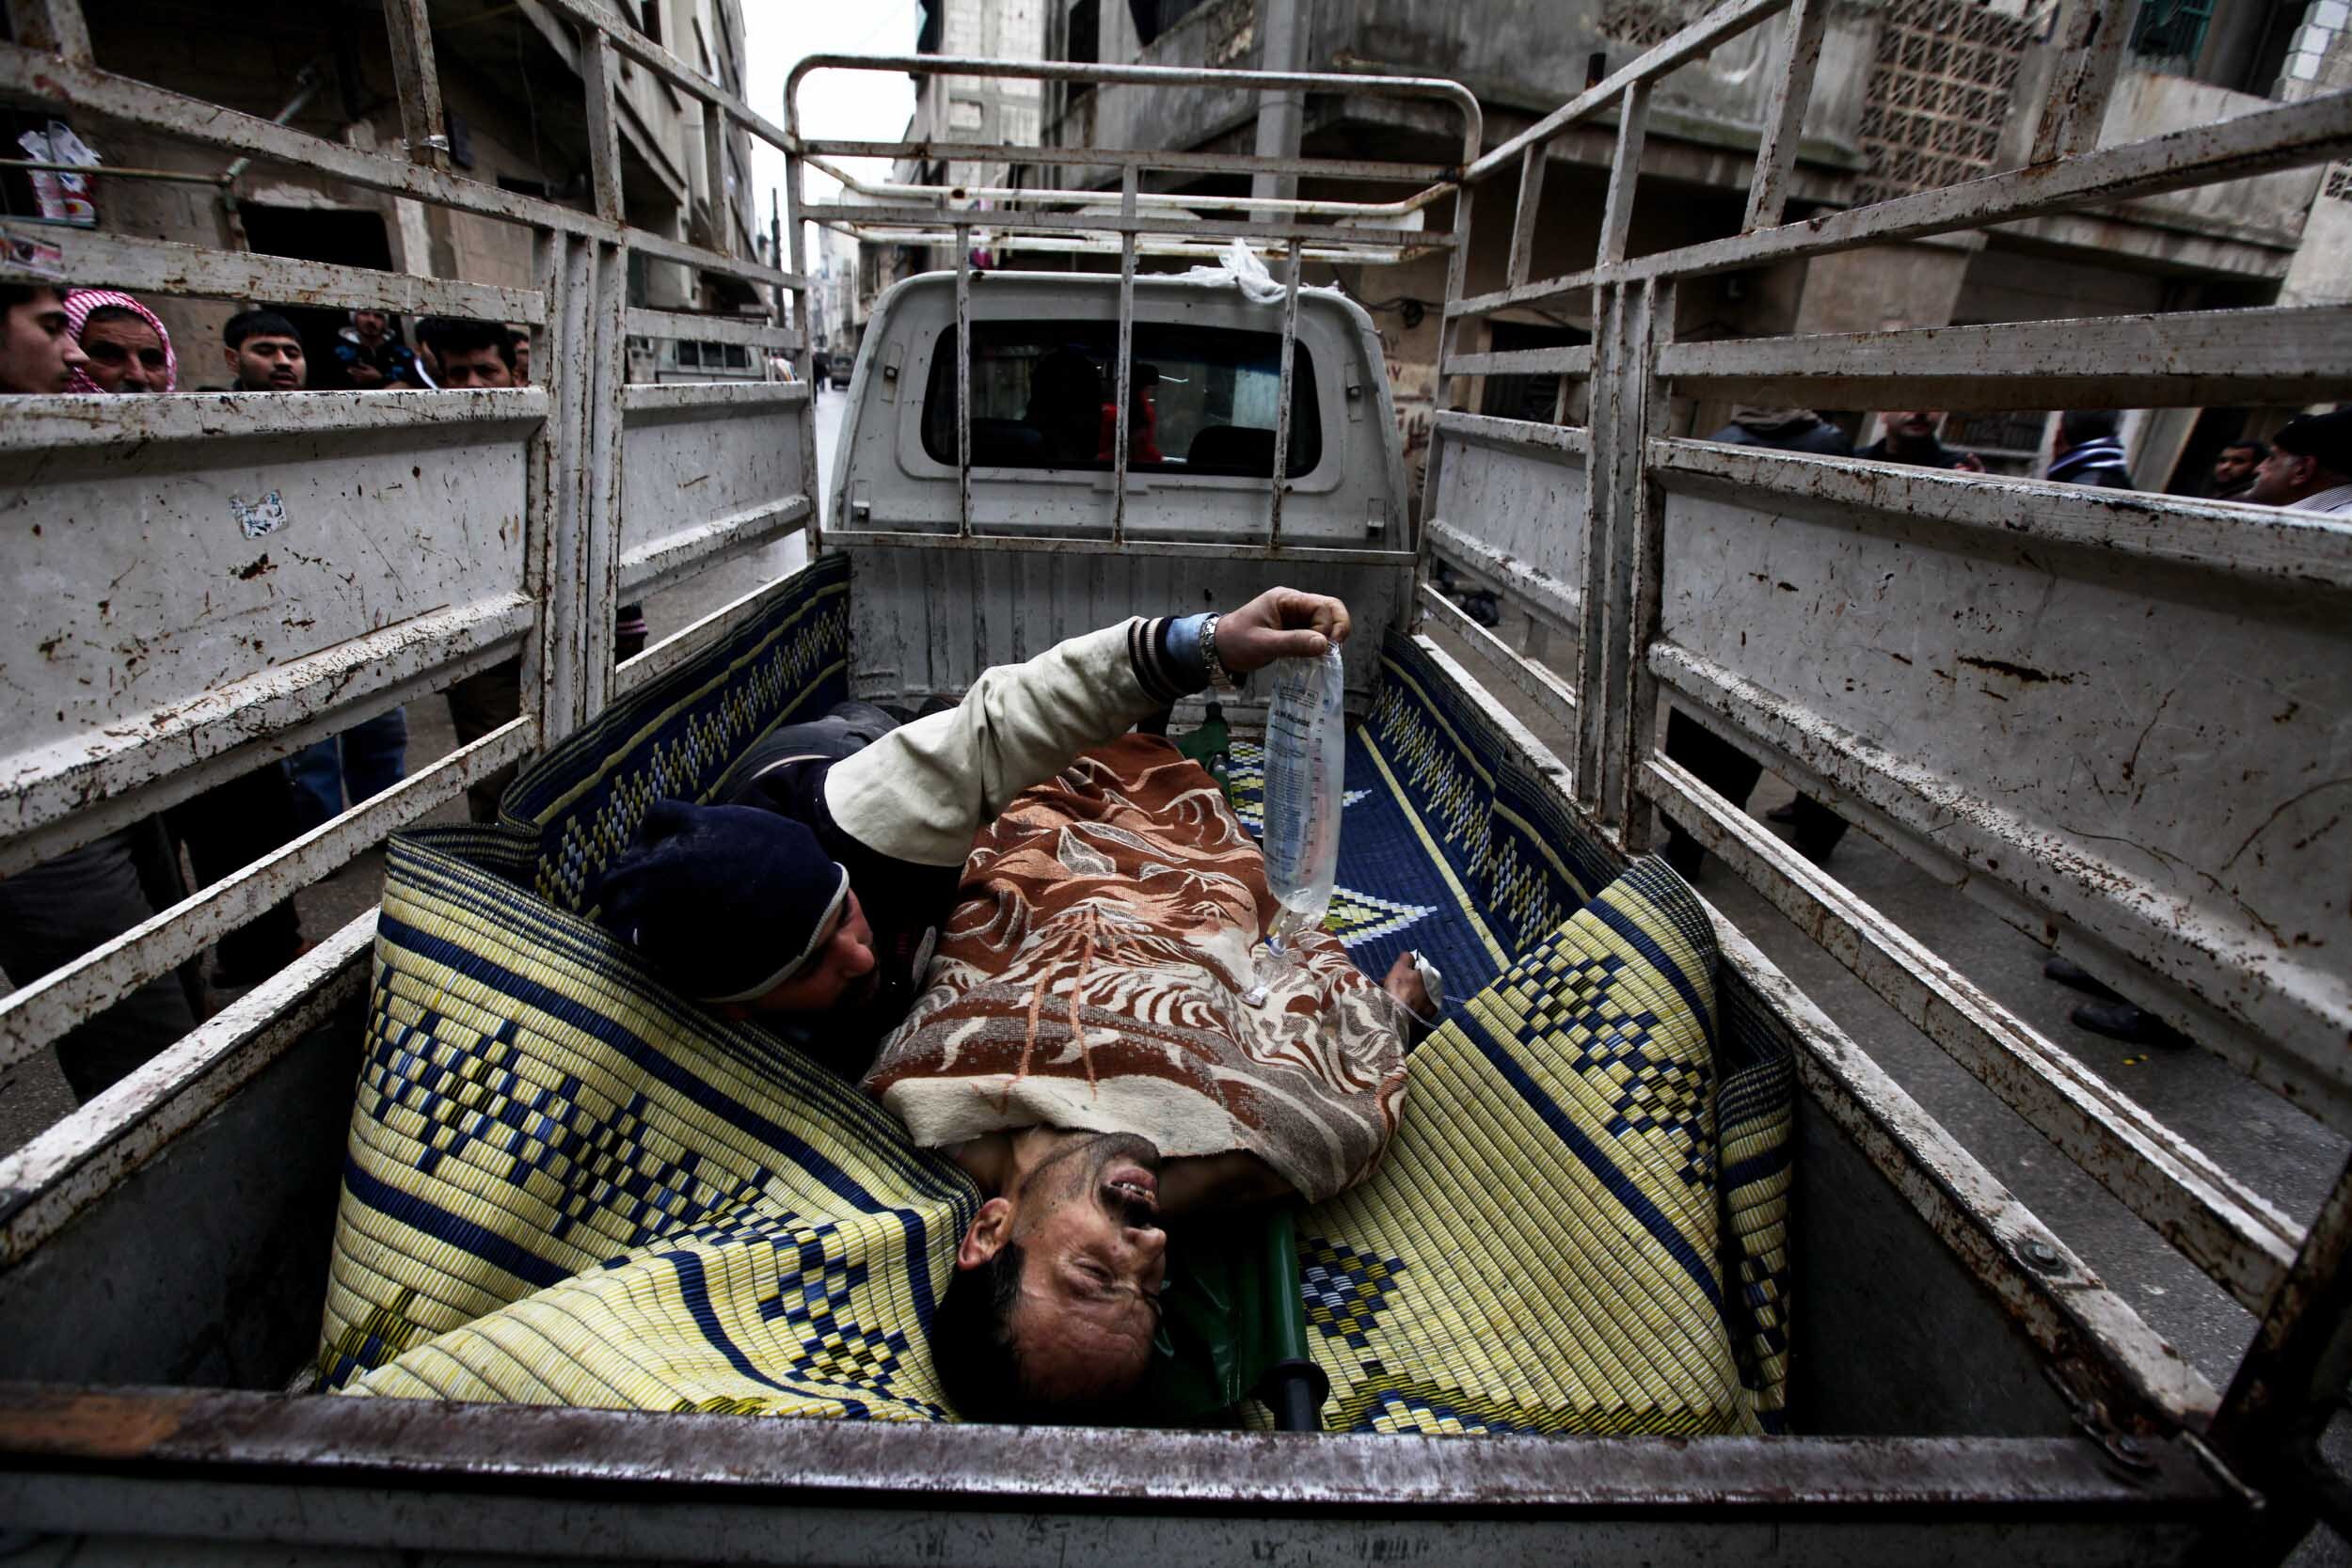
(1794, 63)
(1642, 521)
(556, 569)
(600, 275)
(1625, 172)
(804, 355)
(1600, 508)
(2091, 37)
(1128, 180)
(715, 176)
(1523, 215)
(55, 25)
(601, 67)
(964, 379)
(605, 371)
(416, 81)
(1282, 396)
(2293, 1376)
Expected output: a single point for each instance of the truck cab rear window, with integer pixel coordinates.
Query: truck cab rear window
(1045, 395)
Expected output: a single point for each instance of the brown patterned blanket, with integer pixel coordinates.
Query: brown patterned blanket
(1099, 975)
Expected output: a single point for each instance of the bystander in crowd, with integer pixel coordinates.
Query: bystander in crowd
(371, 354)
(239, 820)
(471, 353)
(2233, 477)
(54, 912)
(264, 354)
(2308, 466)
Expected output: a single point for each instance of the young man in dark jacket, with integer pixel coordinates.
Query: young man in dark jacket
(1785, 430)
(2234, 471)
(1910, 438)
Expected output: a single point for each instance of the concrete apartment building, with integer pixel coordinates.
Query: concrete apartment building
(981, 109)
(1911, 94)
(516, 108)
(977, 108)
(840, 316)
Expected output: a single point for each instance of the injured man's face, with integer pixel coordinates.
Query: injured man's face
(1056, 1298)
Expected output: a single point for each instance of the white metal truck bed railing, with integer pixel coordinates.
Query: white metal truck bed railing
(1793, 602)
(463, 528)
(1661, 565)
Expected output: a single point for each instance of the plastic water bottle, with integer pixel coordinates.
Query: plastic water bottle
(1222, 770)
(1306, 755)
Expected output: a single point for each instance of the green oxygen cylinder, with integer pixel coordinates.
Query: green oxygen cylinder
(1212, 747)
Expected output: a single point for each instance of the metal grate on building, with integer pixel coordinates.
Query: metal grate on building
(1640, 23)
(1940, 86)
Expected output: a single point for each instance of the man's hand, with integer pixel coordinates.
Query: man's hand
(1281, 623)
(364, 374)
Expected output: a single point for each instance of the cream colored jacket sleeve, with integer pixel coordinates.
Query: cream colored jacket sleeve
(922, 791)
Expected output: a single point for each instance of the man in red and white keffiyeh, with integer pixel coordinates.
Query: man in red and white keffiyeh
(127, 346)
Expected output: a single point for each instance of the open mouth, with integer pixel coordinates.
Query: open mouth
(1135, 1192)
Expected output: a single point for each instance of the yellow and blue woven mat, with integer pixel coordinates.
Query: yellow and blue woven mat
(1583, 1223)
(1547, 1247)
(566, 1185)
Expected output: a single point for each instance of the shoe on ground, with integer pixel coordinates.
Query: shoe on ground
(2120, 1021)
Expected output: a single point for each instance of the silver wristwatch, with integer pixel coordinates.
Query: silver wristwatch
(1218, 675)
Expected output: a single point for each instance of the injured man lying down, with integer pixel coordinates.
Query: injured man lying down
(1034, 938)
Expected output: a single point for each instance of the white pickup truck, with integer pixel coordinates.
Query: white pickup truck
(1028, 455)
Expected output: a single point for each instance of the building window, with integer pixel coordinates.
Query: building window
(1154, 17)
(2170, 34)
(1527, 397)
(647, 16)
(2009, 441)
(1640, 23)
(1085, 33)
(1941, 80)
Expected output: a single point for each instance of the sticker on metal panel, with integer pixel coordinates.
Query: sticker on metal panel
(267, 515)
(21, 253)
